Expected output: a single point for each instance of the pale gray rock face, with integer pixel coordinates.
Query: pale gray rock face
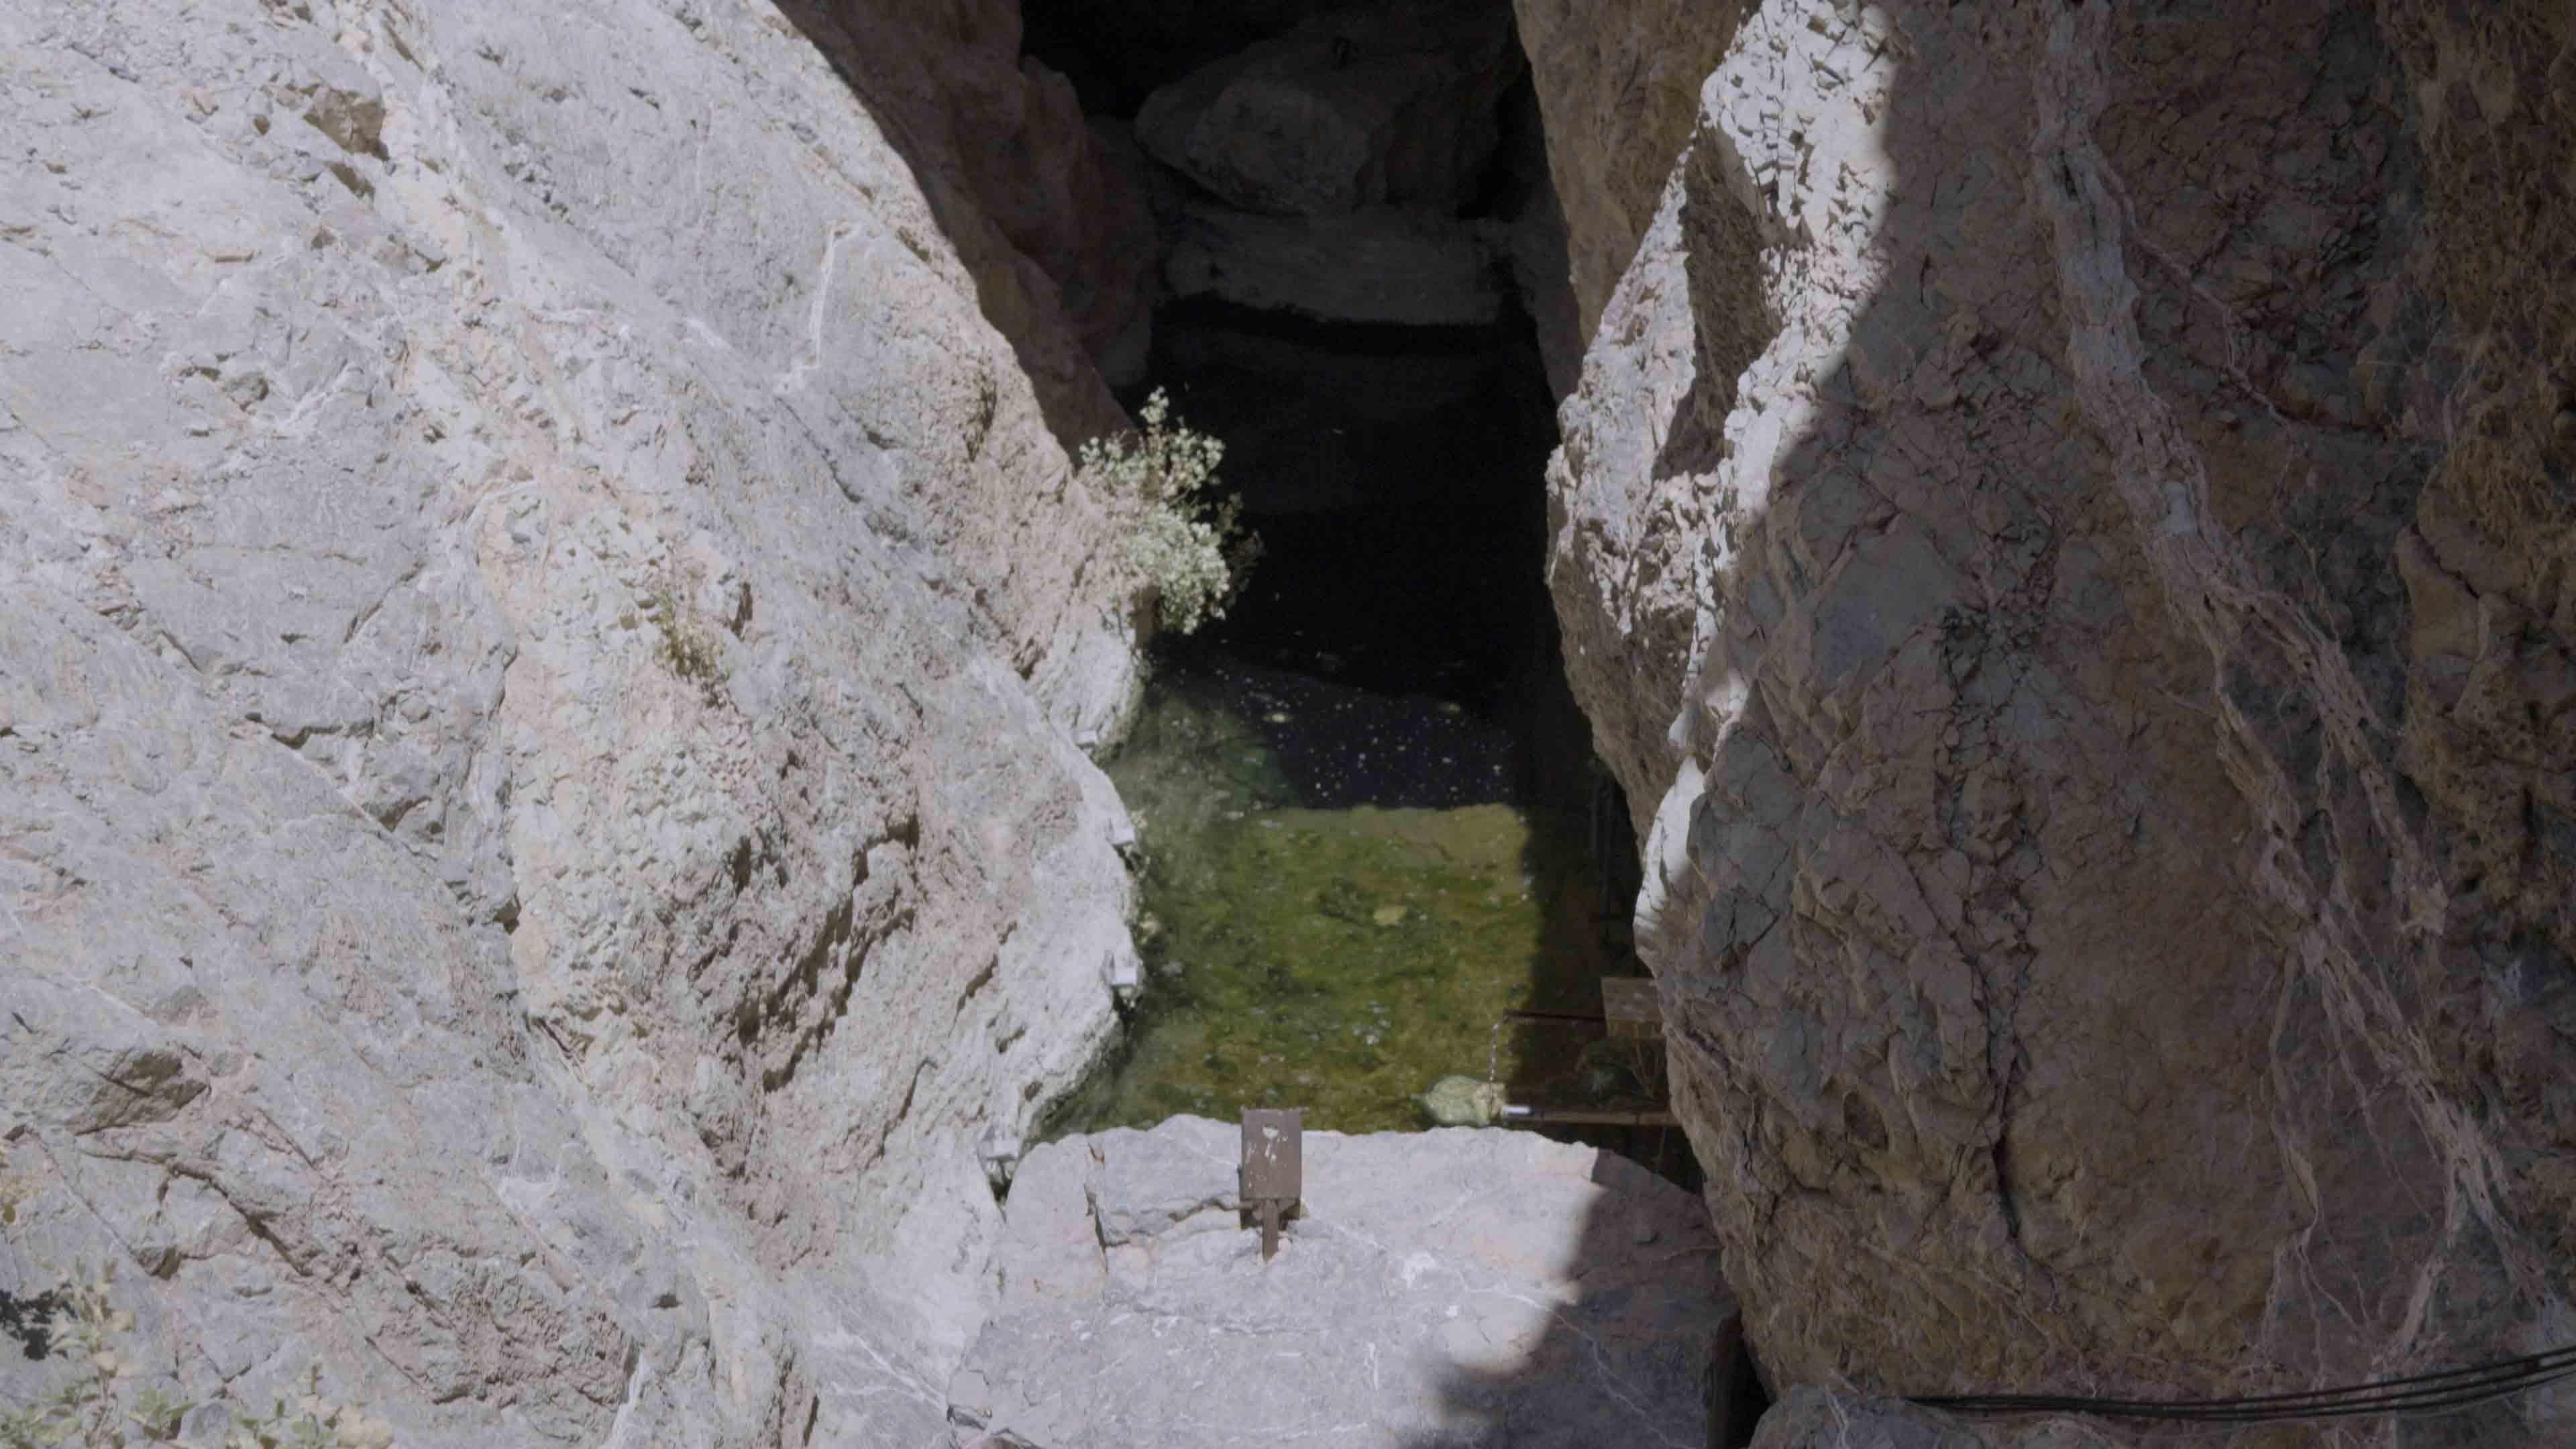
(1442, 1287)
(544, 628)
(999, 142)
(2010, 542)
(1377, 105)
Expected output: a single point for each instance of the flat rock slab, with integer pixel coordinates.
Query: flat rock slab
(1437, 1287)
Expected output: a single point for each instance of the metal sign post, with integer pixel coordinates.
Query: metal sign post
(1273, 1174)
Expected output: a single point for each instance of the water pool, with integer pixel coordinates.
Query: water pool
(1341, 959)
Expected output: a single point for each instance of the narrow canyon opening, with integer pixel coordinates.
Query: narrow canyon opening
(1374, 823)
(575, 792)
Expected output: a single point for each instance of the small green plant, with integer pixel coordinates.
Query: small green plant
(86, 1407)
(311, 1422)
(104, 1403)
(687, 646)
(1189, 548)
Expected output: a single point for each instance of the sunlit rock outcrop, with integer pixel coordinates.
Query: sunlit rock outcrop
(2059, 536)
(544, 630)
(1434, 1287)
(1620, 89)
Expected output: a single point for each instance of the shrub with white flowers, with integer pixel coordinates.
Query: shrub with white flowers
(1188, 548)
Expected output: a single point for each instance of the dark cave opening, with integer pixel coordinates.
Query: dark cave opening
(1395, 478)
(1394, 472)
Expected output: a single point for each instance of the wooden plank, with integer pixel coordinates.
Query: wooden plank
(1273, 1172)
(1630, 1005)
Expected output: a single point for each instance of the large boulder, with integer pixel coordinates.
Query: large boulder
(2101, 732)
(1378, 104)
(541, 630)
(1118, 52)
(1436, 1287)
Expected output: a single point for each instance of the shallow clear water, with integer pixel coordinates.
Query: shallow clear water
(1335, 959)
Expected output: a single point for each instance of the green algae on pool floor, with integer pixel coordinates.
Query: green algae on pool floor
(1343, 960)
(1336, 960)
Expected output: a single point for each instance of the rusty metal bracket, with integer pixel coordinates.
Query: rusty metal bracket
(1273, 1172)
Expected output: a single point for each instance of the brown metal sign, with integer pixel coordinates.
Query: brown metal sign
(1273, 1172)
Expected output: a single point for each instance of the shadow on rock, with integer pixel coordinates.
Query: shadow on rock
(1579, 1381)
(29, 1322)
(2069, 692)
(1058, 246)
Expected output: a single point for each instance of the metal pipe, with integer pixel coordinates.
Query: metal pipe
(1586, 1117)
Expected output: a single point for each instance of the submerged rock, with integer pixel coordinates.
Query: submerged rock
(1435, 1287)
(1458, 1101)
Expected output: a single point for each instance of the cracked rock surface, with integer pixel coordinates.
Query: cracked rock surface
(2096, 703)
(1455, 1286)
(542, 625)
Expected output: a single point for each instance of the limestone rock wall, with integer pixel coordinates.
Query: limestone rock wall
(1619, 86)
(1383, 106)
(1000, 146)
(541, 625)
(2029, 537)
